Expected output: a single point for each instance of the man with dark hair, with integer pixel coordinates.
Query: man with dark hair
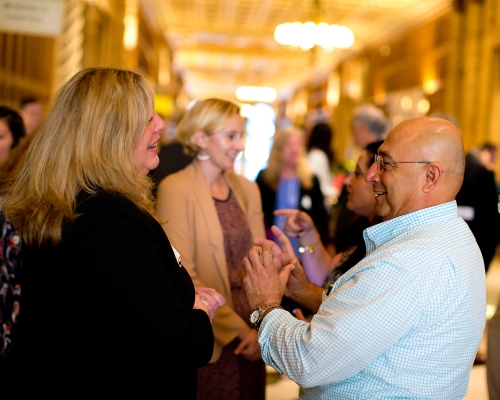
(488, 155)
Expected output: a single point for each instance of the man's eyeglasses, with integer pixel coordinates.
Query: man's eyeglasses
(382, 163)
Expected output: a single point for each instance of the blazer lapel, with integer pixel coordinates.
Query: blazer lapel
(210, 217)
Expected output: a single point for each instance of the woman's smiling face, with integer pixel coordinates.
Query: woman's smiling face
(146, 151)
(361, 199)
(225, 145)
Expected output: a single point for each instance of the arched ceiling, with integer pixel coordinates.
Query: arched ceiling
(219, 45)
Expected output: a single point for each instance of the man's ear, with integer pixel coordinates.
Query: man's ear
(200, 139)
(433, 174)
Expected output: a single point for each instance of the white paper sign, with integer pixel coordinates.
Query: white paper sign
(31, 17)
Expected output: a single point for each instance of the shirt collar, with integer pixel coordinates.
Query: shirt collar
(378, 234)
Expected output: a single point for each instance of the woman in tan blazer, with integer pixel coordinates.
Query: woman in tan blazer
(211, 216)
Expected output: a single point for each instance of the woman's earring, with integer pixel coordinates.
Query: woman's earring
(203, 157)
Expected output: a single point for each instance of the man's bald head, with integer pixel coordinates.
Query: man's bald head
(424, 164)
(435, 139)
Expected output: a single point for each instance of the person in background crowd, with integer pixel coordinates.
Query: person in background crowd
(321, 158)
(212, 215)
(322, 268)
(32, 113)
(12, 146)
(493, 356)
(106, 301)
(488, 155)
(288, 182)
(11, 132)
(369, 124)
(407, 320)
(477, 202)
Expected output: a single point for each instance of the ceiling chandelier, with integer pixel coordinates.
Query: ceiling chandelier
(309, 34)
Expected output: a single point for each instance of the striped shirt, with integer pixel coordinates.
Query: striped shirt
(405, 322)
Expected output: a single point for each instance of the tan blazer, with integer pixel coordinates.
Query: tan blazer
(189, 217)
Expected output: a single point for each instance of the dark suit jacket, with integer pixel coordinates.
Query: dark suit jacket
(317, 210)
(479, 193)
(109, 309)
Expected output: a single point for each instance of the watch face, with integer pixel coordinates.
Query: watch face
(254, 316)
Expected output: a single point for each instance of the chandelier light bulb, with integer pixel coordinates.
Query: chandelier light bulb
(310, 34)
(256, 93)
(345, 37)
(294, 32)
(280, 34)
(324, 36)
(307, 38)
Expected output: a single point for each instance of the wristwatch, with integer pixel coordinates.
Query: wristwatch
(260, 312)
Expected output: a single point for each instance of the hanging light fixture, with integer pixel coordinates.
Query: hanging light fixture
(256, 93)
(309, 34)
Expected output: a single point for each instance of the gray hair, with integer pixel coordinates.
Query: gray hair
(372, 116)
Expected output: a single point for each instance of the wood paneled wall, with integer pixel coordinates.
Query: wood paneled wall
(26, 68)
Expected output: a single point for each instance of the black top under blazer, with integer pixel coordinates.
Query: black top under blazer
(109, 310)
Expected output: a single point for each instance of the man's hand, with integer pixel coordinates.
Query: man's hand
(283, 256)
(297, 281)
(262, 281)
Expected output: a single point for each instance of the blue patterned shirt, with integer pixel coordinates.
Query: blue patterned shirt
(405, 322)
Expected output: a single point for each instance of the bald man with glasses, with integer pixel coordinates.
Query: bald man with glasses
(407, 320)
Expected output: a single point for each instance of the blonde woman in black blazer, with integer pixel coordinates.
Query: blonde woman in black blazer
(107, 308)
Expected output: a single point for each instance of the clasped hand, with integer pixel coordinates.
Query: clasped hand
(208, 300)
(268, 275)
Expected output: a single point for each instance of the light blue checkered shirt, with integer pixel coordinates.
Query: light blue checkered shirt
(405, 322)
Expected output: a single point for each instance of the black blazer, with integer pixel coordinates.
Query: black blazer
(109, 309)
(317, 210)
(479, 192)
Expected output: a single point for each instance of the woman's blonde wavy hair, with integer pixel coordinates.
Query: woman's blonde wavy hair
(209, 116)
(86, 142)
(272, 173)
